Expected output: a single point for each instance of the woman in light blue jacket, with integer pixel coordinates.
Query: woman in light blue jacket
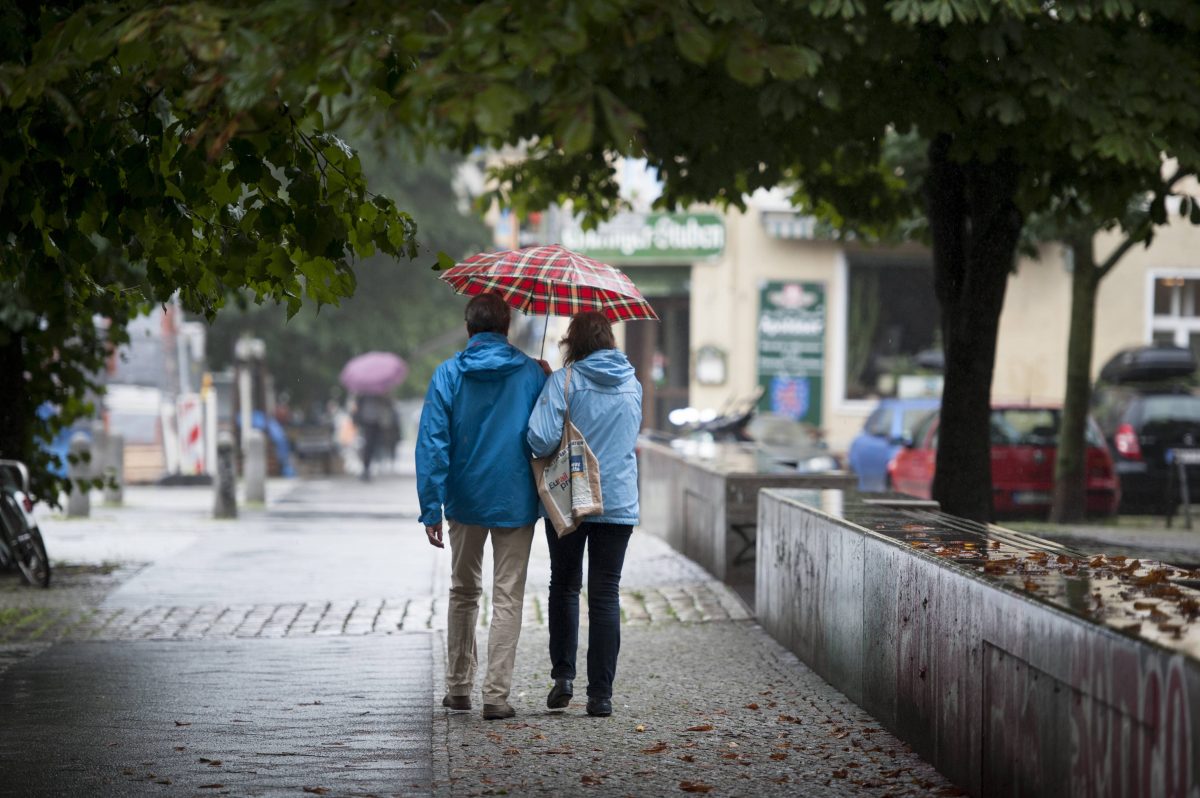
(606, 406)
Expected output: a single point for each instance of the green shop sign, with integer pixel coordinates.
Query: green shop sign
(791, 349)
(648, 237)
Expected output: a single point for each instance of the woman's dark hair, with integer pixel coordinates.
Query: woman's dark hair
(487, 313)
(589, 332)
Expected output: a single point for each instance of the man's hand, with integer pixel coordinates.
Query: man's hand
(545, 367)
(434, 533)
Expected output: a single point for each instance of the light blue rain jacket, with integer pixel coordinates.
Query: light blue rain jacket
(471, 452)
(606, 406)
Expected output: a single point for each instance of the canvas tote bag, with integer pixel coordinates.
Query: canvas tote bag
(568, 481)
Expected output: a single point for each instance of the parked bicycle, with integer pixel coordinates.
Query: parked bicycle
(21, 543)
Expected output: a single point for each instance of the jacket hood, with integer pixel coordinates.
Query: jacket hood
(605, 367)
(490, 357)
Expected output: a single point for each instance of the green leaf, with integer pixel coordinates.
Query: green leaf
(574, 134)
(444, 261)
(694, 41)
(496, 106)
(744, 61)
(788, 62)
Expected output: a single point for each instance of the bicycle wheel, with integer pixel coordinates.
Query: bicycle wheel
(26, 544)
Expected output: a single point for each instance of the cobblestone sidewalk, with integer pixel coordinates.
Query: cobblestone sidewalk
(696, 603)
(714, 708)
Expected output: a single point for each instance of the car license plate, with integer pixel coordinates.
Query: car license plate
(1185, 456)
(1031, 497)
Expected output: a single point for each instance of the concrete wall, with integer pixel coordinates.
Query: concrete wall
(709, 510)
(1005, 694)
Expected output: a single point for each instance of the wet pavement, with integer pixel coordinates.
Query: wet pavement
(298, 650)
(236, 718)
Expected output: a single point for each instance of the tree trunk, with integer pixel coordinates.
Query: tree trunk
(974, 224)
(15, 413)
(1070, 469)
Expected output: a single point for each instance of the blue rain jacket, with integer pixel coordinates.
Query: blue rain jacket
(606, 406)
(472, 458)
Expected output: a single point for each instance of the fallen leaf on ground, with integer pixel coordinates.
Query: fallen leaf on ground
(703, 727)
(211, 787)
(781, 780)
(641, 727)
(839, 774)
(657, 748)
(317, 790)
(511, 751)
(181, 723)
(695, 786)
(779, 756)
(752, 706)
(163, 781)
(688, 758)
(588, 778)
(180, 748)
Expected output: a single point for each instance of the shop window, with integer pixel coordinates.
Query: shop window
(1176, 312)
(892, 326)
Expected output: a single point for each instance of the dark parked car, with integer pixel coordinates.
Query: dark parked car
(1148, 411)
(1146, 428)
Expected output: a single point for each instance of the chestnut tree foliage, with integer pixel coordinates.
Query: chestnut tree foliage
(154, 147)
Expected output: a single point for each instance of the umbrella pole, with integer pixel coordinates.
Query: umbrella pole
(545, 326)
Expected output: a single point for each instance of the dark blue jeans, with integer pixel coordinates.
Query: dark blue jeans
(605, 545)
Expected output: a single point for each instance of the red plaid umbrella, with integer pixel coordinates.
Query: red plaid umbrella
(550, 280)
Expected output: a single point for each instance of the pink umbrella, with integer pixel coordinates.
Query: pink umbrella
(373, 373)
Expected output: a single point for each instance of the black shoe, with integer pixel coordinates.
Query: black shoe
(459, 702)
(599, 707)
(498, 711)
(560, 694)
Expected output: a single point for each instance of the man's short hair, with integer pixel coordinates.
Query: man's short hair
(488, 313)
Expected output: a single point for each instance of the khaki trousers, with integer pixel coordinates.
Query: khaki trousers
(510, 560)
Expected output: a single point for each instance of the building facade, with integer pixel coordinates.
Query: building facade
(766, 303)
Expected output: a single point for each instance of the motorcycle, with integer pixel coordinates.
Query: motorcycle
(21, 543)
(780, 444)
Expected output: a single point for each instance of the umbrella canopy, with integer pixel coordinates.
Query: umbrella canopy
(550, 280)
(373, 373)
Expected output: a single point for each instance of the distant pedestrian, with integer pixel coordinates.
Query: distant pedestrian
(606, 406)
(473, 461)
(371, 418)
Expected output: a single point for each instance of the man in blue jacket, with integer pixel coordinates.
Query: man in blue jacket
(473, 461)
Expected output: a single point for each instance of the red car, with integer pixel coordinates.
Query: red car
(1024, 445)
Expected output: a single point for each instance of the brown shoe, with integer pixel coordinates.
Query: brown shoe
(459, 702)
(498, 711)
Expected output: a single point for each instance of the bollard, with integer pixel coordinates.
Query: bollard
(79, 503)
(225, 504)
(256, 466)
(114, 469)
